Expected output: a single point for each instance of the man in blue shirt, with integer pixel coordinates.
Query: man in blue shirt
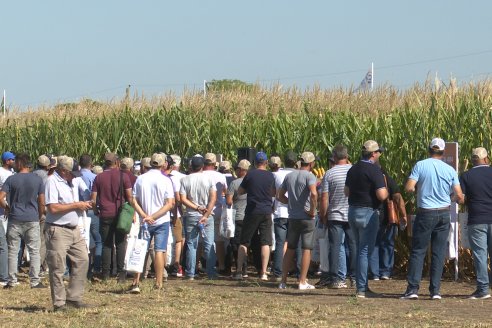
(434, 181)
(477, 187)
(85, 163)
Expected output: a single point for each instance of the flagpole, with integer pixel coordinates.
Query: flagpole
(4, 102)
(205, 88)
(372, 76)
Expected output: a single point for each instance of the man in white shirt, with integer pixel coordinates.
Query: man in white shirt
(8, 160)
(176, 219)
(281, 212)
(153, 200)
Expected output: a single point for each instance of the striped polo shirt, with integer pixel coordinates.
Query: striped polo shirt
(334, 183)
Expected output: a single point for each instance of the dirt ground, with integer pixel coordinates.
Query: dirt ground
(250, 303)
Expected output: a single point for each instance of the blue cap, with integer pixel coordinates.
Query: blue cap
(7, 155)
(261, 157)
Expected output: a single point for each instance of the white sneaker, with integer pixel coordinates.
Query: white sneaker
(282, 286)
(306, 286)
(264, 277)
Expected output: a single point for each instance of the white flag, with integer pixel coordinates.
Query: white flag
(366, 82)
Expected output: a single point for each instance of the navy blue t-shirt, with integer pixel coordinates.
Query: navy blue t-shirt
(363, 179)
(477, 187)
(259, 184)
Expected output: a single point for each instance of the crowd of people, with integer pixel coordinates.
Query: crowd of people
(287, 221)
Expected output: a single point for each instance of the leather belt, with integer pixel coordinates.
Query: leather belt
(66, 226)
(433, 209)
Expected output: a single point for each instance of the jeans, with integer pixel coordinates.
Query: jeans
(4, 256)
(30, 232)
(480, 236)
(280, 226)
(96, 237)
(364, 222)
(110, 236)
(340, 233)
(433, 226)
(383, 256)
(192, 236)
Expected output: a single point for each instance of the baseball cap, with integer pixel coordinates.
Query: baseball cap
(479, 153)
(44, 161)
(65, 162)
(158, 159)
(126, 163)
(244, 164)
(210, 158)
(261, 157)
(110, 158)
(437, 143)
(290, 156)
(145, 162)
(97, 169)
(307, 157)
(7, 155)
(226, 165)
(275, 160)
(197, 162)
(371, 145)
(176, 159)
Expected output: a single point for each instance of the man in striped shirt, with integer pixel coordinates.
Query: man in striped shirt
(334, 214)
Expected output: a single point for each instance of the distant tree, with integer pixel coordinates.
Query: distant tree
(229, 85)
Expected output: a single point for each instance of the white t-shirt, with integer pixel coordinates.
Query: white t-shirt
(220, 183)
(176, 177)
(281, 210)
(151, 191)
(4, 174)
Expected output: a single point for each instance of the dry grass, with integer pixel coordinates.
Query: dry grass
(222, 303)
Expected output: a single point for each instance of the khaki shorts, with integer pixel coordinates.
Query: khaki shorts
(177, 230)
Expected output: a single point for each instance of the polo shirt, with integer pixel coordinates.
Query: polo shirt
(58, 191)
(152, 190)
(88, 177)
(476, 184)
(435, 181)
(196, 187)
(363, 179)
(107, 186)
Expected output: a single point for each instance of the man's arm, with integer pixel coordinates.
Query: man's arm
(229, 199)
(346, 191)
(129, 195)
(382, 193)
(162, 211)
(57, 208)
(41, 206)
(313, 200)
(323, 207)
(93, 200)
(241, 191)
(457, 196)
(210, 206)
(410, 185)
(3, 201)
(398, 198)
(138, 208)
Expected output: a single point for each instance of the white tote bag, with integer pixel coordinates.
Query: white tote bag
(135, 254)
(85, 225)
(227, 226)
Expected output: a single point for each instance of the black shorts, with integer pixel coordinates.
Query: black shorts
(253, 222)
(303, 229)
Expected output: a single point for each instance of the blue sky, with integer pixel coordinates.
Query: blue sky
(59, 51)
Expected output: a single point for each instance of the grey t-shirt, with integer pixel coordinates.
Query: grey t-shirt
(196, 187)
(22, 191)
(238, 202)
(297, 186)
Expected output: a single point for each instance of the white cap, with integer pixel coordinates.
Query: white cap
(437, 143)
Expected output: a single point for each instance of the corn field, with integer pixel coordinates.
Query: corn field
(273, 120)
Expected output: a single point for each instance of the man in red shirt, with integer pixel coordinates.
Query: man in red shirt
(106, 190)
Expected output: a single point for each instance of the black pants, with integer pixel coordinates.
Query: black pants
(110, 237)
